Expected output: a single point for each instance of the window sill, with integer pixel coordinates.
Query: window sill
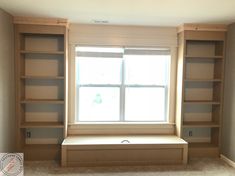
(121, 128)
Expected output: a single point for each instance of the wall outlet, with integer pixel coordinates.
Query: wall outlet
(28, 134)
(190, 133)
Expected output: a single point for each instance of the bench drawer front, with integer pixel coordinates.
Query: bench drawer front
(162, 156)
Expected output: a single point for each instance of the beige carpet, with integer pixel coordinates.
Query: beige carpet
(196, 167)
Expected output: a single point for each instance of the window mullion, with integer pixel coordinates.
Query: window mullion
(122, 93)
(99, 85)
(145, 86)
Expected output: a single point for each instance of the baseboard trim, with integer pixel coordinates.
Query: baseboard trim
(228, 161)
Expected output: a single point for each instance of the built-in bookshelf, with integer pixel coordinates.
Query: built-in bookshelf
(41, 88)
(200, 88)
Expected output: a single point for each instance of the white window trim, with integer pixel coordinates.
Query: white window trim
(115, 126)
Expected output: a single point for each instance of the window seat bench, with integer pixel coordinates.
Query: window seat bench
(100, 150)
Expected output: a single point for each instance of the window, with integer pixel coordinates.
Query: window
(122, 84)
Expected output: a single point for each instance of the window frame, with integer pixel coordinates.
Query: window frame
(83, 128)
(123, 87)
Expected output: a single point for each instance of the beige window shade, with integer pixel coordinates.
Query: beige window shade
(143, 51)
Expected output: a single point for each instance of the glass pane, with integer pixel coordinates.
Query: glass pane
(99, 104)
(98, 70)
(145, 104)
(146, 69)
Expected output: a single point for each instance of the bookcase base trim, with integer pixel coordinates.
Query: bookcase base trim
(38, 152)
(203, 152)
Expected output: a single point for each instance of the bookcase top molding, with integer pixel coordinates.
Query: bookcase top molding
(202, 27)
(41, 21)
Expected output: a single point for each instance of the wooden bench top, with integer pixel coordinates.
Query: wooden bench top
(122, 139)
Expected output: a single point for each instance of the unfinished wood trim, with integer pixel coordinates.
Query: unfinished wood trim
(66, 62)
(110, 147)
(185, 154)
(212, 152)
(40, 29)
(220, 118)
(40, 21)
(109, 151)
(72, 101)
(203, 43)
(202, 27)
(64, 156)
(120, 128)
(42, 152)
(72, 84)
(20, 134)
(42, 141)
(172, 86)
(122, 163)
(205, 35)
(79, 151)
(39, 148)
(118, 157)
(180, 84)
(198, 139)
(116, 139)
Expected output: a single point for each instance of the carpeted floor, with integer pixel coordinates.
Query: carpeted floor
(196, 167)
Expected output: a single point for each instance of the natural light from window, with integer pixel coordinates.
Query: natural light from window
(122, 84)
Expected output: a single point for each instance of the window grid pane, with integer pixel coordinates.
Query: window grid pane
(99, 104)
(140, 84)
(146, 69)
(98, 70)
(145, 104)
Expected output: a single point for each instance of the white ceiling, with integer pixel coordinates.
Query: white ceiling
(127, 12)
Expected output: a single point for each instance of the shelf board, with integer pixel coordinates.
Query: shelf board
(202, 80)
(203, 57)
(200, 124)
(42, 77)
(42, 146)
(42, 125)
(40, 52)
(203, 145)
(202, 102)
(42, 101)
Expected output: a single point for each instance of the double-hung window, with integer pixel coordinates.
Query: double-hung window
(118, 84)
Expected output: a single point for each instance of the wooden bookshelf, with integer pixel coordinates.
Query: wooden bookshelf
(40, 52)
(45, 152)
(42, 77)
(41, 101)
(202, 102)
(203, 145)
(203, 57)
(200, 124)
(200, 76)
(42, 125)
(202, 80)
(41, 87)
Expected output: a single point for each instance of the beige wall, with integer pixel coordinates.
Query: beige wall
(228, 132)
(118, 35)
(7, 104)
